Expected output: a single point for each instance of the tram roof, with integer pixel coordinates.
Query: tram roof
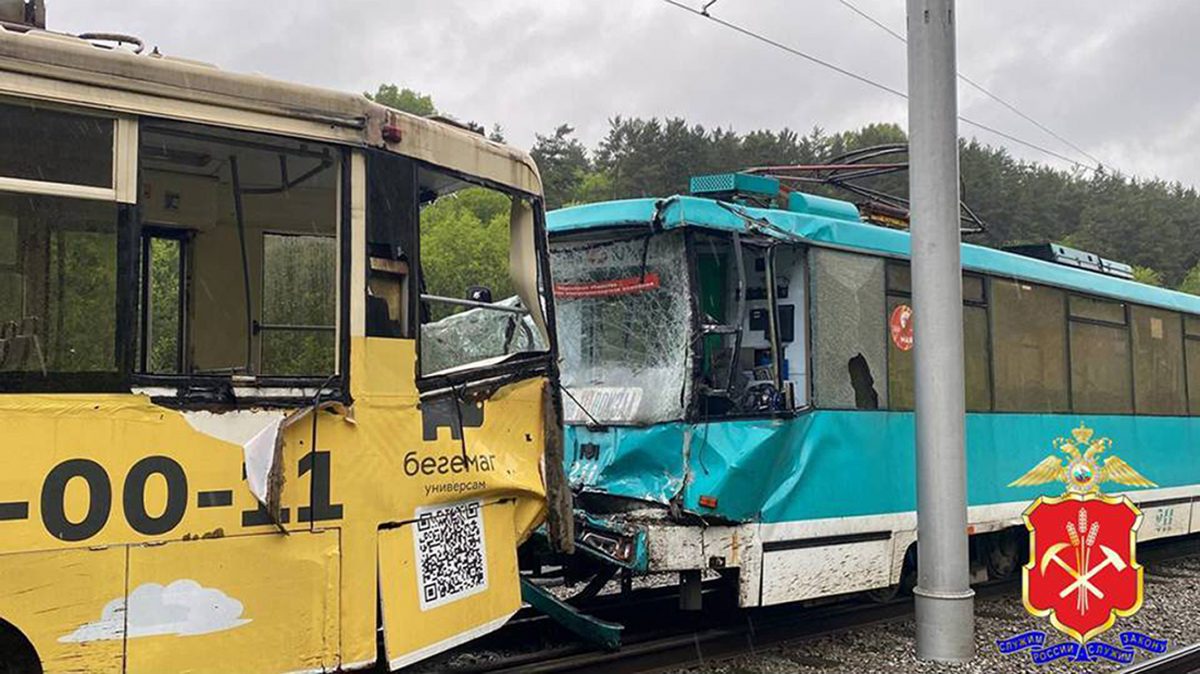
(701, 213)
(63, 67)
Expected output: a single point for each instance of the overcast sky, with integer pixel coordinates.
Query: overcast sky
(1116, 77)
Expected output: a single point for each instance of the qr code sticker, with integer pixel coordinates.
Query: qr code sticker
(451, 554)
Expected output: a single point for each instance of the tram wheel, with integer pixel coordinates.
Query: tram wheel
(17, 655)
(1003, 555)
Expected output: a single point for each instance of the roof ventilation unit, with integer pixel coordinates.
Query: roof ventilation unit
(736, 187)
(1070, 257)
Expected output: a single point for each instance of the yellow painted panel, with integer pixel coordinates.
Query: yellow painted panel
(59, 597)
(266, 603)
(166, 476)
(447, 578)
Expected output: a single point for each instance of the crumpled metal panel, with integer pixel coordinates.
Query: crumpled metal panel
(841, 463)
(647, 464)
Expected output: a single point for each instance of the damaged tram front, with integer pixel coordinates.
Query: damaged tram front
(680, 357)
(259, 411)
(739, 371)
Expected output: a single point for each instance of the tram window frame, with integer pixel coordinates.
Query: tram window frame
(828, 376)
(180, 238)
(265, 328)
(208, 383)
(978, 389)
(1016, 398)
(68, 119)
(119, 193)
(540, 333)
(1151, 397)
(1089, 319)
(1191, 362)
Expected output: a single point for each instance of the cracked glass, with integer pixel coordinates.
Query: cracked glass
(624, 315)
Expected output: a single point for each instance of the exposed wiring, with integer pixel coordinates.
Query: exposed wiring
(578, 404)
(872, 83)
(979, 87)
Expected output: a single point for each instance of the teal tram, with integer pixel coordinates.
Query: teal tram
(739, 383)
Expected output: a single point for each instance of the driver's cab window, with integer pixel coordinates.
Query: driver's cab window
(470, 309)
(739, 354)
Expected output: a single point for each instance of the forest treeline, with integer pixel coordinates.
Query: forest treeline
(1149, 223)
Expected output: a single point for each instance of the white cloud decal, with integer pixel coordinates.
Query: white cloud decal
(183, 608)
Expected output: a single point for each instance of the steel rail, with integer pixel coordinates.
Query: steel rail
(1181, 661)
(731, 632)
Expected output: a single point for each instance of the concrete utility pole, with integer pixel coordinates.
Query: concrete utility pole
(945, 604)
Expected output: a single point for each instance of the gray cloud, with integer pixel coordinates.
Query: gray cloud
(1112, 76)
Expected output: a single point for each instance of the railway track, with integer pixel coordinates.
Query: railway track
(1181, 661)
(659, 637)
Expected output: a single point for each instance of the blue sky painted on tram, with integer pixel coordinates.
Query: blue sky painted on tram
(706, 213)
(1114, 76)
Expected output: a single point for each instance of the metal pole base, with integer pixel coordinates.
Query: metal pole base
(948, 620)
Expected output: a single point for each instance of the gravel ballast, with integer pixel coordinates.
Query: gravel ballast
(1171, 610)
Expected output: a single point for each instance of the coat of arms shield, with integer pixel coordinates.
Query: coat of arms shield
(1083, 571)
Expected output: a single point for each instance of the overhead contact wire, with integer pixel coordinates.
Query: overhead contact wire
(872, 83)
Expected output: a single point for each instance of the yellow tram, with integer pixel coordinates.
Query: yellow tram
(238, 429)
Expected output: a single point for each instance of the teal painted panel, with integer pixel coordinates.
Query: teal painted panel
(643, 463)
(831, 463)
(799, 202)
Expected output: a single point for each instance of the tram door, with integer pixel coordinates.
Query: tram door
(754, 346)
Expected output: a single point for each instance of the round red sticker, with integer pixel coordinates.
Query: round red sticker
(901, 326)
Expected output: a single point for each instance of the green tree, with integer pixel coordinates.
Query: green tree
(1150, 277)
(464, 243)
(564, 165)
(1191, 282)
(405, 100)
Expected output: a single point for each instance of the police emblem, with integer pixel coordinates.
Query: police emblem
(1082, 572)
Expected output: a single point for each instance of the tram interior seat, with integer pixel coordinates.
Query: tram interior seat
(21, 347)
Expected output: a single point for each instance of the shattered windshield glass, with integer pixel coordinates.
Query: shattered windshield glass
(478, 334)
(623, 323)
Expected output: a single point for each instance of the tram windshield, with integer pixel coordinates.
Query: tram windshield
(624, 317)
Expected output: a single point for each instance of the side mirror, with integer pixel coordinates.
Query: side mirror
(480, 294)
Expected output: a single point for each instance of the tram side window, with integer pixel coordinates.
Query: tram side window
(1029, 347)
(48, 145)
(58, 253)
(470, 309)
(255, 218)
(1191, 347)
(58, 286)
(901, 380)
(161, 303)
(299, 310)
(849, 348)
(1158, 382)
(1101, 376)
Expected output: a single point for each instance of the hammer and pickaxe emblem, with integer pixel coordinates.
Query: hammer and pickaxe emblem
(1082, 571)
